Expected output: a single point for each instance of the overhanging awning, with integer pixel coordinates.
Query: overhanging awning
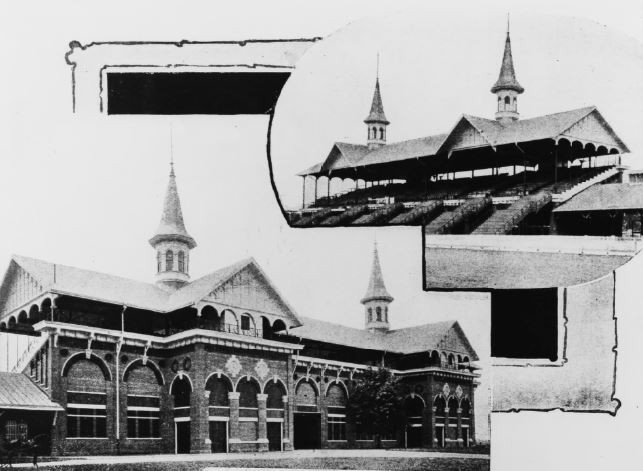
(607, 197)
(18, 392)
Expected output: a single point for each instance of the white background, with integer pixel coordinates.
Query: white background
(87, 191)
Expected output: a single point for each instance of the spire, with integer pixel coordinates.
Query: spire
(376, 289)
(172, 226)
(507, 78)
(377, 108)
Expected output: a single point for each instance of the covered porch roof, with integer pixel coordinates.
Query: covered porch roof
(18, 392)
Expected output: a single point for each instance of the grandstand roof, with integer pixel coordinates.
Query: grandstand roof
(610, 196)
(475, 134)
(485, 263)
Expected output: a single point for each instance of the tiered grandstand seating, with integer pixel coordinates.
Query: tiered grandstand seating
(503, 221)
(401, 203)
(449, 221)
(419, 214)
(345, 217)
(379, 215)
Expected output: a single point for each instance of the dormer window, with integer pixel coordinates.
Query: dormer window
(169, 261)
(182, 261)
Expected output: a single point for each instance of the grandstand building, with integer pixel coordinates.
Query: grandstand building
(489, 176)
(217, 364)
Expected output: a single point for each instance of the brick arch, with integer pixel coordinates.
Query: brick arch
(149, 364)
(218, 396)
(181, 376)
(246, 399)
(339, 383)
(273, 380)
(81, 356)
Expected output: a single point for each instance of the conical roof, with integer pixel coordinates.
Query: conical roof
(172, 226)
(507, 78)
(376, 289)
(377, 108)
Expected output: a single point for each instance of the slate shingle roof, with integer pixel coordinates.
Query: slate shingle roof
(404, 341)
(376, 288)
(17, 391)
(377, 108)
(107, 288)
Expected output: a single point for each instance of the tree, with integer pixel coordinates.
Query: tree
(375, 403)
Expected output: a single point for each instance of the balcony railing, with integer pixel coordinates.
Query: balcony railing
(228, 328)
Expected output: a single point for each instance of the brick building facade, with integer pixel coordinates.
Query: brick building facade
(221, 363)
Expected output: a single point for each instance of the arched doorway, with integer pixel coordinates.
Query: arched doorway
(218, 387)
(181, 391)
(248, 388)
(414, 410)
(275, 392)
(307, 418)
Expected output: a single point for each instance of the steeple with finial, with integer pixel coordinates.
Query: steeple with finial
(377, 298)
(507, 87)
(376, 121)
(172, 241)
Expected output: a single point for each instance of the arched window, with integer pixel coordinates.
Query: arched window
(169, 261)
(336, 402)
(181, 261)
(143, 401)
(381, 133)
(374, 133)
(378, 310)
(159, 259)
(219, 389)
(86, 386)
(306, 396)
(248, 407)
(507, 100)
(386, 314)
(370, 314)
(275, 392)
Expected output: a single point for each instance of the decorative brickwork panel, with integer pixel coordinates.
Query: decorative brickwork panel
(336, 396)
(306, 394)
(248, 431)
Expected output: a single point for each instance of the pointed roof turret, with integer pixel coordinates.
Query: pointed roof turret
(507, 78)
(376, 289)
(377, 108)
(172, 225)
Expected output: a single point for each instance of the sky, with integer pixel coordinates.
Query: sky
(434, 68)
(87, 190)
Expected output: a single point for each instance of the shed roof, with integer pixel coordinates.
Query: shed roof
(18, 392)
(610, 196)
(474, 269)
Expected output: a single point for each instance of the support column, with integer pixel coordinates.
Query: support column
(316, 180)
(303, 192)
(446, 424)
(472, 418)
(234, 441)
(288, 431)
(427, 430)
(556, 165)
(458, 432)
(262, 429)
(432, 434)
(199, 426)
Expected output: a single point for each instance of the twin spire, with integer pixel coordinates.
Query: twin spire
(377, 298)
(376, 121)
(172, 241)
(507, 87)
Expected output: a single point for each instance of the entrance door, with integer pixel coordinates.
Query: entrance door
(465, 437)
(274, 436)
(307, 431)
(439, 434)
(182, 437)
(414, 436)
(219, 436)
